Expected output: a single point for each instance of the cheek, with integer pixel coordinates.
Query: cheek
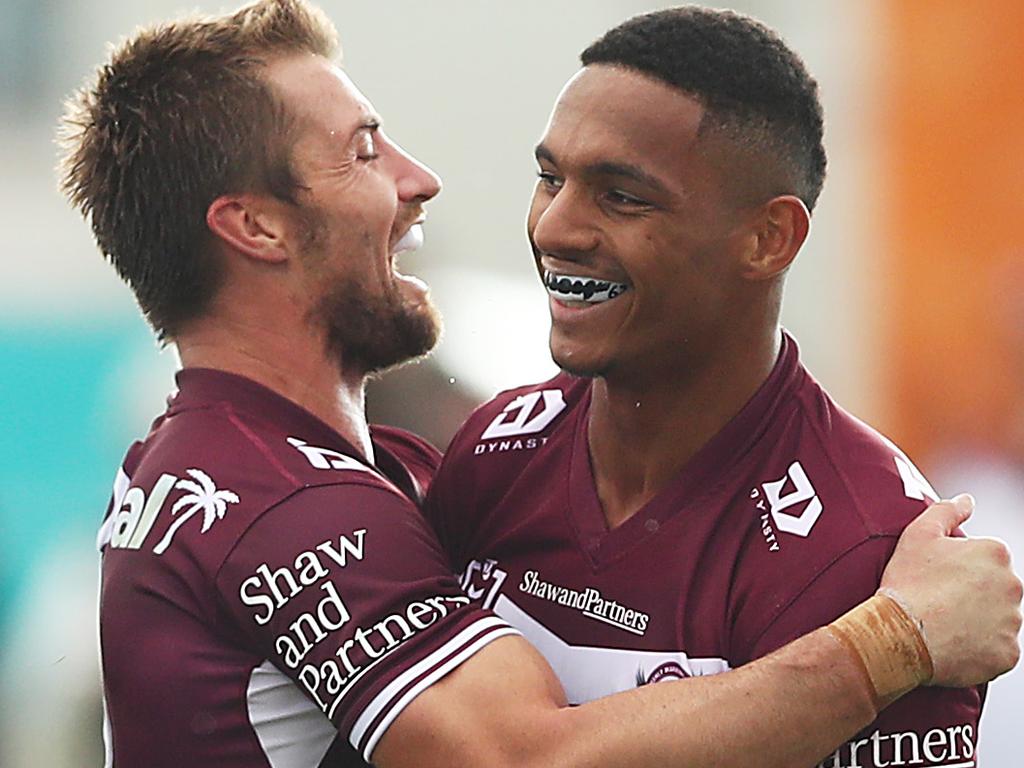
(672, 281)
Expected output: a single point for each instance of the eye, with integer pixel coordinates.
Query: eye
(366, 147)
(549, 180)
(625, 199)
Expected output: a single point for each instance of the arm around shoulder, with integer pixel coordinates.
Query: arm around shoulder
(504, 707)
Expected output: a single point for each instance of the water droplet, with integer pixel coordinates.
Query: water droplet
(451, 380)
(651, 525)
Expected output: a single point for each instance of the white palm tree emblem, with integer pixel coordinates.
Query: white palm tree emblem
(203, 496)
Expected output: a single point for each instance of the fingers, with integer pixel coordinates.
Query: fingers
(943, 517)
(962, 591)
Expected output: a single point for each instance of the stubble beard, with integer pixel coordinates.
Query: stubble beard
(368, 333)
(372, 334)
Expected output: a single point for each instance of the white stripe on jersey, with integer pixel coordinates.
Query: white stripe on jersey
(429, 680)
(589, 672)
(445, 659)
(292, 730)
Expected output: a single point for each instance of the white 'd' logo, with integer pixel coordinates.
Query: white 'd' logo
(802, 491)
(325, 458)
(507, 425)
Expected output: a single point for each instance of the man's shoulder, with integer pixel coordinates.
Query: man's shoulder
(829, 495)
(268, 458)
(871, 482)
(830, 498)
(822, 483)
(519, 428)
(226, 469)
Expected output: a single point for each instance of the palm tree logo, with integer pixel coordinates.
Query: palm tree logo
(203, 496)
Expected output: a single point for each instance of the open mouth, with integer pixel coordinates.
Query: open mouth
(410, 241)
(573, 289)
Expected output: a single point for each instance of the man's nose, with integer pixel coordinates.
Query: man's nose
(566, 224)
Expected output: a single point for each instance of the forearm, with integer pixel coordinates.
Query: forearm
(505, 708)
(790, 709)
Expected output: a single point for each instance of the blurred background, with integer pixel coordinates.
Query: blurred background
(908, 300)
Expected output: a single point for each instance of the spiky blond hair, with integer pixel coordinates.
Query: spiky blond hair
(177, 116)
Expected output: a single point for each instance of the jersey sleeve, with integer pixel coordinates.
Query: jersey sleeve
(927, 727)
(344, 589)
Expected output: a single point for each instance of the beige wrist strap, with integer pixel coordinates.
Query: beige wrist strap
(888, 645)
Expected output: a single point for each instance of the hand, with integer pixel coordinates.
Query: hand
(961, 591)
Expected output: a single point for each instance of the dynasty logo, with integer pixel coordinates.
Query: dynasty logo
(516, 427)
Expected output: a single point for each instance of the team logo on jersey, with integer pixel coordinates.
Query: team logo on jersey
(135, 514)
(795, 506)
(203, 496)
(523, 417)
(670, 670)
(325, 458)
(482, 581)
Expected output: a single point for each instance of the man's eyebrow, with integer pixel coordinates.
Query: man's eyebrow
(628, 171)
(541, 152)
(370, 123)
(608, 168)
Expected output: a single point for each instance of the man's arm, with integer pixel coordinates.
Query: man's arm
(504, 707)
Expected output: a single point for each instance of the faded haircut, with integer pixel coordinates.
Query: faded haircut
(756, 92)
(178, 116)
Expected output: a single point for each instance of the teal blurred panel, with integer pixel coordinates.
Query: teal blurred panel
(62, 438)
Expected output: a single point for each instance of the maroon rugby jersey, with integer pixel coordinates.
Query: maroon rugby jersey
(264, 589)
(781, 523)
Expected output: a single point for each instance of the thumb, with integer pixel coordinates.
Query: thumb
(943, 517)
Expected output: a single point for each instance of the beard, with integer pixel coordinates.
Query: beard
(372, 334)
(367, 333)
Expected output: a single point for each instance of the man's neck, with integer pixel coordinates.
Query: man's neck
(641, 435)
(296, 370)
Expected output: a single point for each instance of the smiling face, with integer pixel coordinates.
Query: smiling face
(361, 205)
(631, 229)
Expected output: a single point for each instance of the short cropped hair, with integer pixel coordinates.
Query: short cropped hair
(178, 116)
(754, 89)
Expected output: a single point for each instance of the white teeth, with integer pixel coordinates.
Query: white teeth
(411, 240)
(588, 289)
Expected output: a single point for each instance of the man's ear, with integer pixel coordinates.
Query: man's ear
(249, 226)
(785, 223)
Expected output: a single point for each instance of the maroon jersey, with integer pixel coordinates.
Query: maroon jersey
(781, 523)
(264, 589)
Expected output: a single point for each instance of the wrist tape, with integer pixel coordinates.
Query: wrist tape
(888, 645)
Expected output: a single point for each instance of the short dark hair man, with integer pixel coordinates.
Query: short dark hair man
(685, 498)
(267, 578)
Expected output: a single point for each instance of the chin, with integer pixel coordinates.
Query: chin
(373, 334)
(576, 364)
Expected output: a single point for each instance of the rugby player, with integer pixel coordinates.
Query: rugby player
(268, 582)
(684, 498)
